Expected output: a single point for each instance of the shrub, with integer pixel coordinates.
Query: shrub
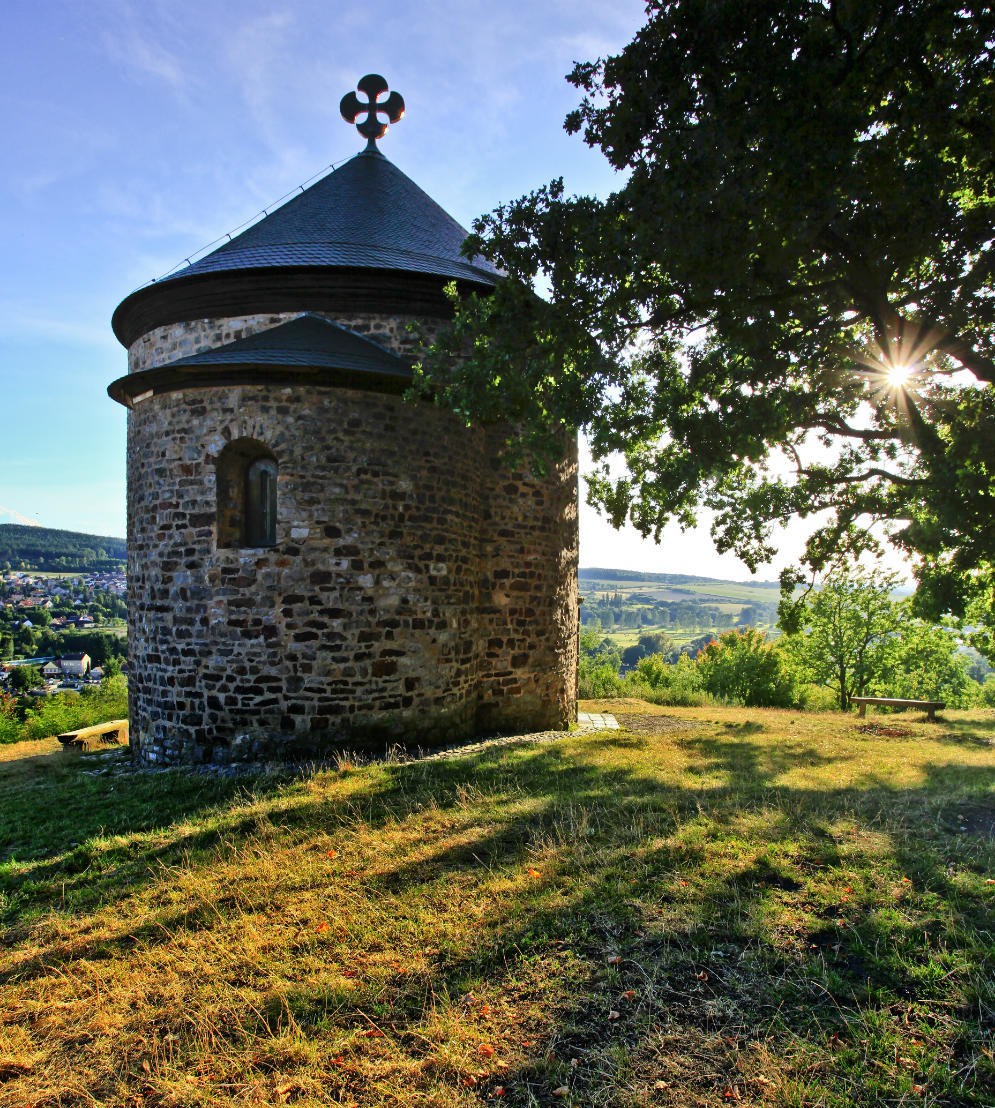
(661, 682)
(598, 667)
(10, 726)
(70, 711)
(743, 667)
(987, 697)
(597, 680)
(817, 698)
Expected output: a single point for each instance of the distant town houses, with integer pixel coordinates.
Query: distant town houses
(40, 613)
(74, 665)
(67, 671)
(20, 586)
(24, 592)
(68, 665)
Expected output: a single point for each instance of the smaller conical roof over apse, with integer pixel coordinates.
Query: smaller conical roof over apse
(308, 351)
(363, 238)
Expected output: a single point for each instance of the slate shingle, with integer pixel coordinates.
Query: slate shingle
(366, 214)
(308, 341)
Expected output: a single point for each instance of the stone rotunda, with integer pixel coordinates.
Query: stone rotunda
(313, 560)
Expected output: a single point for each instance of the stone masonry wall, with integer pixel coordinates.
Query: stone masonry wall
(417, 590)
(528, 594)
(360, 622)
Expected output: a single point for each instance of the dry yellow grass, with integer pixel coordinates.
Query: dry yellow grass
(18, 752)
(638, 918)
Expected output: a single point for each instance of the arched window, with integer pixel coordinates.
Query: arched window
(246, 485)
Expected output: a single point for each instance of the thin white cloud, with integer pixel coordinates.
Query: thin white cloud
(134, 40)
(19, 323)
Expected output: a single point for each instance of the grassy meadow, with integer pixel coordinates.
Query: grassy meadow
(711, 906)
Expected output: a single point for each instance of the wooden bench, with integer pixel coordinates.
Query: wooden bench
(930, 707)
(108, 733)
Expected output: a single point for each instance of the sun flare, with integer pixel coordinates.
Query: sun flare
(899, 374)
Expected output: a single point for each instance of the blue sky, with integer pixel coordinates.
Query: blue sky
(135, 133)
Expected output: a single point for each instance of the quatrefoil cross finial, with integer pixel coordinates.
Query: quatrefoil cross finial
(371, 128)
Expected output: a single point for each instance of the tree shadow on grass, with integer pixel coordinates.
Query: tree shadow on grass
(73, 838)
(649, 959)
(638, 930)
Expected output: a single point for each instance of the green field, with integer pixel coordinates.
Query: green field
(679, 584)
(685, 608)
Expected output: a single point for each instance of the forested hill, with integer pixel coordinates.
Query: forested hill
(635, 575)
(43, 548)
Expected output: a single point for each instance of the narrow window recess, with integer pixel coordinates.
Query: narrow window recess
(247, 473)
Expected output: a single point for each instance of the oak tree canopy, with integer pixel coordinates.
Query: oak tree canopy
(788, 305)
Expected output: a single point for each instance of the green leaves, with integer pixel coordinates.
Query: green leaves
(808, 200)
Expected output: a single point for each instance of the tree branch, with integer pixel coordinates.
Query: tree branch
(838, 427)
(856, 478)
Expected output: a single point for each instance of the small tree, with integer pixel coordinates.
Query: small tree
(926, 664)
(743, 666)
(842, 634)
(649, 642)
(23, 678)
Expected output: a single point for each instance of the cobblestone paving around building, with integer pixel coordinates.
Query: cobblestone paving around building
(596, 721)
(586, 722)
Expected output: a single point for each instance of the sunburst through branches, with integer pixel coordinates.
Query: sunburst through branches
(894, 367)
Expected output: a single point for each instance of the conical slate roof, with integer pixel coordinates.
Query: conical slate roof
(366, 214)
(363, 238)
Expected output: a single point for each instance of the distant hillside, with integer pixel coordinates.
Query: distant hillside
(626, 603)
(48, 550)
(633, 575)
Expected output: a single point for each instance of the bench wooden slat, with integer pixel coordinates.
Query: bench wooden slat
(108, 732)
(931, 707)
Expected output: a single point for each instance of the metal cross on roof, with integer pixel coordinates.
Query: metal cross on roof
(352, 108)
